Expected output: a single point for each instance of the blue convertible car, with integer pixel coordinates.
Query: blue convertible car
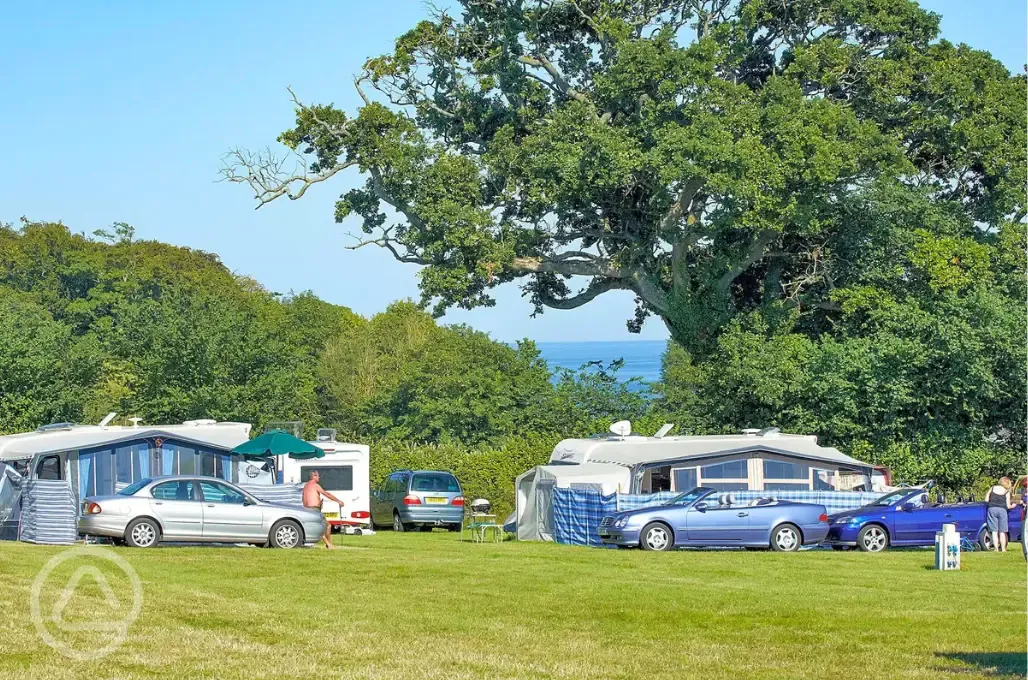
(906, 518)
(702, 518)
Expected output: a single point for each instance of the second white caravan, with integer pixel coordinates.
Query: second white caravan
(344, 473)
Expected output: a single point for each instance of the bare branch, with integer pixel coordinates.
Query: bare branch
(386, 242)
(265, 174)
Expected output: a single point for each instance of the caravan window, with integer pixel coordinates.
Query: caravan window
(733, 469)
(777, 469)
(336, 478)
(685, 479)
(49, 468)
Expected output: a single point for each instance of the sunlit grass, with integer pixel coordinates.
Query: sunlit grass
(427, 606)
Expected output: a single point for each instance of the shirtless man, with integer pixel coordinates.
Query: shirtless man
(312, 493)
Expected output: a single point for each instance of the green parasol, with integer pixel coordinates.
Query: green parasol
(278, 443)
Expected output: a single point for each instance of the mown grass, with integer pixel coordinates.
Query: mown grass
(426, 606)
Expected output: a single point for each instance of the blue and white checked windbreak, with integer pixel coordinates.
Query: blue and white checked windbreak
(577, 513)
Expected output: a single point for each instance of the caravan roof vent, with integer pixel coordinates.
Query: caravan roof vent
(202, 421)
(770, 432)
(751, 432)
(55, 426)
(326, 434)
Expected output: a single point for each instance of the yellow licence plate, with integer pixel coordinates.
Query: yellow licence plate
(435, 500)
(331, 515)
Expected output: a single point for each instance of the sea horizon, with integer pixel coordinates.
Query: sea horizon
(641, 358)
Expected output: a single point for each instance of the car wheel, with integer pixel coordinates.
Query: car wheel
(786, 538)
(142, 533)
(656, 536)
(398, 526)
(873, 538)
(985, 540)
(286, 534)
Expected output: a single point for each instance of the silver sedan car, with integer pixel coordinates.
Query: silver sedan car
(197, 509)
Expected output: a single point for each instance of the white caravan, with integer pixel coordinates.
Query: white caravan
(344, 473)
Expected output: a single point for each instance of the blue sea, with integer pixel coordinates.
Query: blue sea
(641, 357)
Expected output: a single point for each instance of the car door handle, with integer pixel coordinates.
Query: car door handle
(948, 515)
(210, 505)
(158, 503)
(743, 514)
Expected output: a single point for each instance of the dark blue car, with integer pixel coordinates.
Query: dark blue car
(702, 518)
(907, 518)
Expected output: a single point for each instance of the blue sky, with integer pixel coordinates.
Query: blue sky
(120, 111)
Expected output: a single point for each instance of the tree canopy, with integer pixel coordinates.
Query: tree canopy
(714, 157)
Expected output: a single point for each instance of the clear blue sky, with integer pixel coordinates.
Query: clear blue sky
(119, 111)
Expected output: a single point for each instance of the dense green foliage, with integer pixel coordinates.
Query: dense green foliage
(165, 333)
(923, 371)
(923, 368)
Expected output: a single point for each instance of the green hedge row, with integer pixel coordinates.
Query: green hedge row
(484, 471)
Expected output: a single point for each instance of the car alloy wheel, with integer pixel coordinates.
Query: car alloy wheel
(397, 524)
(985, 540)
(786, 539)
(657, 537)
(143, 534)
(286, 535)
(873, 539)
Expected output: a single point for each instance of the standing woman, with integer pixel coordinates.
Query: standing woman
(999, 504)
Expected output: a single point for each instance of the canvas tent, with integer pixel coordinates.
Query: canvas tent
(535, 492)
(752, 461)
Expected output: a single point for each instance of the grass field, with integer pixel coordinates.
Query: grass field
(425, 606)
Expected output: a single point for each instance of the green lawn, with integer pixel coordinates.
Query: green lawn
(425, 606)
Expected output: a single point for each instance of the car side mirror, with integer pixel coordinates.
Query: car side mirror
(249, 501)
(907, 507)
(702, 507)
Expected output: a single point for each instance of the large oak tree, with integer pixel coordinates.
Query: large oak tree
(707, 155)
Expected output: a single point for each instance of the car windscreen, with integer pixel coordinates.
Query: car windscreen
(132, 488)
(437, 482)
(893, 497)
(687, 497)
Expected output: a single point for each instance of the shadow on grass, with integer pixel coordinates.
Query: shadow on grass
(992, 664)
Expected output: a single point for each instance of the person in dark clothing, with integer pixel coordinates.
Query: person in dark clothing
(1000, 502)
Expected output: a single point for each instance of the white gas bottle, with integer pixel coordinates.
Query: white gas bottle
(947, 548)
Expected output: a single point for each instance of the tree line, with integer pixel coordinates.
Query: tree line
(923, 371)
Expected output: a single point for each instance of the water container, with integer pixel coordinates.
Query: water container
(947, 548)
